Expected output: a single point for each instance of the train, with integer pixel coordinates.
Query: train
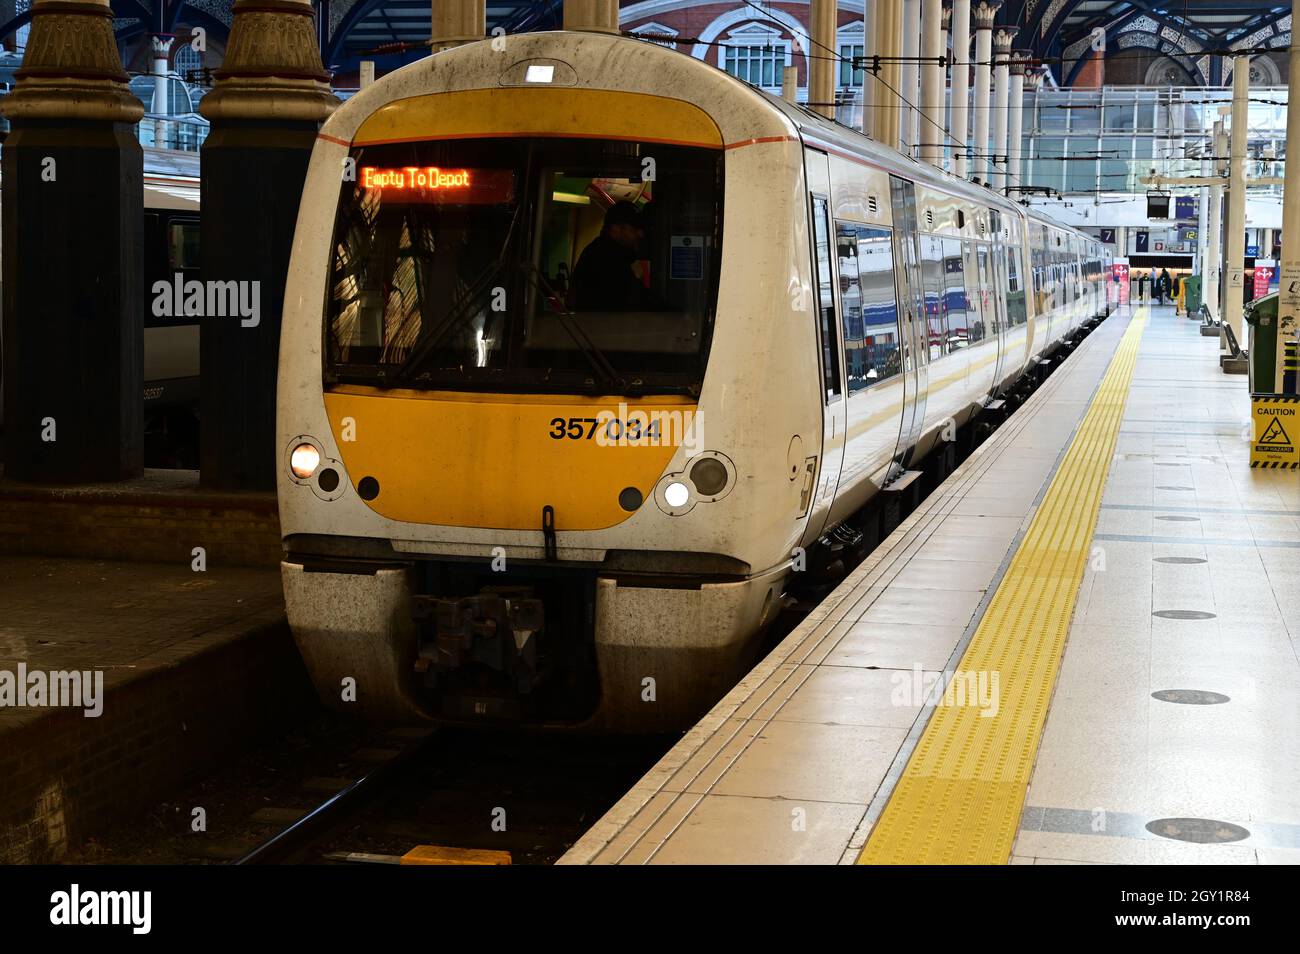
(591, 349)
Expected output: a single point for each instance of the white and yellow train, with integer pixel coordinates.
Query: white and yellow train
(499, 505)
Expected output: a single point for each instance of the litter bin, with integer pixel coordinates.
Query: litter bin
(1192, 290)
(1261, 315)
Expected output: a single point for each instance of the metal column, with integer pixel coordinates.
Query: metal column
(1234, 303)
(600, 16)
(1213, 293)
(984, 12)
(456, 22)
(910, 76)
(960, 132)
(1002, 38)
(1015, 134)
(933, 130)
(1288, 312)
(821, 63)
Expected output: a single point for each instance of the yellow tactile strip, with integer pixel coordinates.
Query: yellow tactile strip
(960, 797)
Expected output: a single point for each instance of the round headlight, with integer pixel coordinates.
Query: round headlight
(676, 494)
(304, 460)
(709, 476)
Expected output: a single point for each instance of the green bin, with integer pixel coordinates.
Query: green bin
(1261, 315)
(1192, 283)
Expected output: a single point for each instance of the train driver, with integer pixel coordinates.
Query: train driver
(604, 279)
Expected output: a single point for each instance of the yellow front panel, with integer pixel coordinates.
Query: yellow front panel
(490, 460)
(573, 114)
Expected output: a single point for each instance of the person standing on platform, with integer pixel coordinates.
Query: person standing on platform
(1164, 285)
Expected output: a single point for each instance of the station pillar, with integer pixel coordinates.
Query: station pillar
(1002, 38)
(1213, 291)
(886, 104)
(598, 15)
(1234, 304)
(265, 110)
(457, 22)
(933, 130)
(910, 88)
(1288, 299)
(1016, 119)
(983, 12)
(822, 67)
(73, 206)
(960, 131)
(869, 81)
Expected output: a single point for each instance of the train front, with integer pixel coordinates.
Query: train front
(513, 426)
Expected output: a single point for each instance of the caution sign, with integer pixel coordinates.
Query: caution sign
(1277, 425)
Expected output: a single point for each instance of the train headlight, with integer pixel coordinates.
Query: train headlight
(304, 460)
(709, 475)
(676, 494)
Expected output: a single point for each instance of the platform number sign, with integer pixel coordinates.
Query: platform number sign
(1277, 426)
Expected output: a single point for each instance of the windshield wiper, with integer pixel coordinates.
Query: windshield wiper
(459, 312)
(605, 371)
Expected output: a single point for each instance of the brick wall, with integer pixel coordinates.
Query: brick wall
(139, 524)
(165, 724)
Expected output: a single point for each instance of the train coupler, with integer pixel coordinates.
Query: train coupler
(494, 629)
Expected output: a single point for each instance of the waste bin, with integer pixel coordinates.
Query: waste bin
(1192, 290)
(1261, 315)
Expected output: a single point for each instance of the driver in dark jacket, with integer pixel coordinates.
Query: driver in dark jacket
(603, 279)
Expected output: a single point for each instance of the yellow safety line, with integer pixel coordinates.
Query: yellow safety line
(960, 797)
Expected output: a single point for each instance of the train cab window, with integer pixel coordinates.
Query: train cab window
(531, 265)
(182, 244)
(869, 306)
(826, 299)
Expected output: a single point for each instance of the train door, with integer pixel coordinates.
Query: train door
(911, 313)
(1000, 288)
(834, 406)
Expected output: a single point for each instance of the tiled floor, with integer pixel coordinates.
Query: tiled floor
(795, 764)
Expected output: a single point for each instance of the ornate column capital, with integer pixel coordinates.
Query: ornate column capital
(1034, 77)
(272, 68)
(947, 18)
(160, 44)
(1020, 62)
(1003, 37)
(983, 13)
(71, 69)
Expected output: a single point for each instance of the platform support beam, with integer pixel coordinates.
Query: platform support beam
(598, 16)
(1288, 312)
(983, 12)
(265, 110)
(1015, 131)
(1234, 301)
(822, 67)
(1002, 39)
(73, 208)
(932, 130)
(960, 132)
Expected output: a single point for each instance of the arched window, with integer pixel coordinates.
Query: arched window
(188, 62)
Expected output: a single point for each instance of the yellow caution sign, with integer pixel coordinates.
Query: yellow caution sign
(1277, 427)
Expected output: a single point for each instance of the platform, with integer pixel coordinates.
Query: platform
(1117, 506)
(190, 665)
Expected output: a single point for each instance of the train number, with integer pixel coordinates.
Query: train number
(603, 428)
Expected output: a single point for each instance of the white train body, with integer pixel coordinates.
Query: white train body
(808, 418)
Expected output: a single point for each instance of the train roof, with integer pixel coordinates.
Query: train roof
(815, 126)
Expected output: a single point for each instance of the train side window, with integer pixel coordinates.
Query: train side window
(932, 279)
(826, 300)
(956, 304)
(1016, 312)
(870, 307)
(182, 244)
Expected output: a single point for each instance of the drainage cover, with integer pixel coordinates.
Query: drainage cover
(1203, 831)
